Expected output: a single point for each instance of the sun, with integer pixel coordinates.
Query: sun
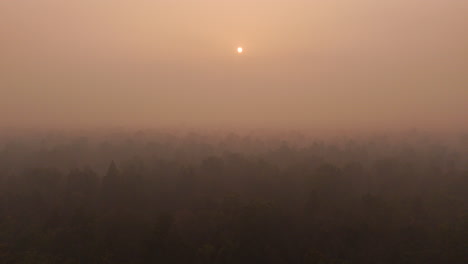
(240, 50)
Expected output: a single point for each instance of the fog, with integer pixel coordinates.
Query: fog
(171, 197)
(133, 132)
(331, 65)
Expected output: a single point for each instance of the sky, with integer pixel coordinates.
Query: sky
(323, 64)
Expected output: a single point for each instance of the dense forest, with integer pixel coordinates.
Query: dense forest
(170, 197)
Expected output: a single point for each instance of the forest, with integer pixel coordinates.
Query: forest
(223, 197)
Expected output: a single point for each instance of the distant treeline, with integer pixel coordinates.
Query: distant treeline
(200, 198)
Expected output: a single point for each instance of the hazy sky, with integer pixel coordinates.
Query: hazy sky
(346, 64)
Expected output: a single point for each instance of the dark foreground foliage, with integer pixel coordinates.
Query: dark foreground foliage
(232, 199)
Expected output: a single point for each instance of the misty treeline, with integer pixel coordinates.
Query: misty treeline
(229, 198)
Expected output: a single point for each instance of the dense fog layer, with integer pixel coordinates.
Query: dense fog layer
(212, 197)
(133, 132)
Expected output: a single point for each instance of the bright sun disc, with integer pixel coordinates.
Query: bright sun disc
(240, 50)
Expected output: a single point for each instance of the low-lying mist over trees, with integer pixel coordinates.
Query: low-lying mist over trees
(212, 197)
(134, 132)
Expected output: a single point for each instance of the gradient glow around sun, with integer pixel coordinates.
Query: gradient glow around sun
(240, 50)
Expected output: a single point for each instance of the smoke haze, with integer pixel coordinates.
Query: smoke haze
(356, 64)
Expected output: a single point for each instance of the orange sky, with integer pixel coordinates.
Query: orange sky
(354, 64)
